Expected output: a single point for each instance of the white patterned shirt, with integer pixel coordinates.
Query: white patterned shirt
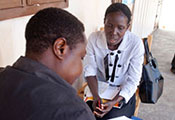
(129, 65)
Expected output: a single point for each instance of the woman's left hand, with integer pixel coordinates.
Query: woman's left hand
(105, 108)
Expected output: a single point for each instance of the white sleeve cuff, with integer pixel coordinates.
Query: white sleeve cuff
(125, 95)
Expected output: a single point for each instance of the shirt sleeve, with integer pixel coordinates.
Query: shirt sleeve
(90, 66)
(134, 72)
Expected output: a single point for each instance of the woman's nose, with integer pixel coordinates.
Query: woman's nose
(115, 31)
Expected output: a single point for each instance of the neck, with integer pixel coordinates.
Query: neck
(43, 59)
(113, 47)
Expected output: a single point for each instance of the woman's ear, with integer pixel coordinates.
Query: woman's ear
(128, 26)
(60, 47)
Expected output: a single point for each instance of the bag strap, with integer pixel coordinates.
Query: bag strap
(147, 52)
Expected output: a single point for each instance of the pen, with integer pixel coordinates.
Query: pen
(99, 104)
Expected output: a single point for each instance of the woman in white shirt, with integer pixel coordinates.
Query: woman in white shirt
(114, 59)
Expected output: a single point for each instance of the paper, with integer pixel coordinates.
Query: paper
(106, 91)
(110, 92)
(121, 118)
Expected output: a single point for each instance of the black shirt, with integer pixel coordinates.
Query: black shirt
(31, 91)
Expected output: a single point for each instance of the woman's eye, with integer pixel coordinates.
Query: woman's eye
(121, 28)
(109, 25)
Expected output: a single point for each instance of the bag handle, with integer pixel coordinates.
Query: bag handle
(147, 52)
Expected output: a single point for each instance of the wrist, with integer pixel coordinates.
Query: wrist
(96, 97)
(118, 99)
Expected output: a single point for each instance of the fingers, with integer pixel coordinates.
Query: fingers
(97, 103)
(102, 110)
(105, 105)
(100, 115)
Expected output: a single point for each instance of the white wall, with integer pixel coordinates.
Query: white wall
(12, 41)
(144, 17)
(91, 12)
(167, 19)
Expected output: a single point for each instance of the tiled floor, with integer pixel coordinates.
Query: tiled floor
(163, 49)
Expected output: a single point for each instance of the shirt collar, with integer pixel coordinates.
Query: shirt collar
(101, 41)
(33, 67)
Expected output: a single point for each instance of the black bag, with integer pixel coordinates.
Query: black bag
(173, 65)
(173, 62)
(151, 86)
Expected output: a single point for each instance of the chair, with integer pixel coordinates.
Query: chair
(137, 91)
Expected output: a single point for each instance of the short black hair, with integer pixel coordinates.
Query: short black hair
(119, 7)
(49, 24)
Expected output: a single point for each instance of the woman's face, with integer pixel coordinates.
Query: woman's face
(116, 24)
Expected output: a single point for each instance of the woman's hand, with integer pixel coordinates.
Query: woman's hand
(105, 108)
(96, 103)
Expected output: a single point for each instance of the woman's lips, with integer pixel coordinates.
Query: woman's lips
(112, 40)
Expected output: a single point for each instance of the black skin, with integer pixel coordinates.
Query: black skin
(60, 58)
(116, 24)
